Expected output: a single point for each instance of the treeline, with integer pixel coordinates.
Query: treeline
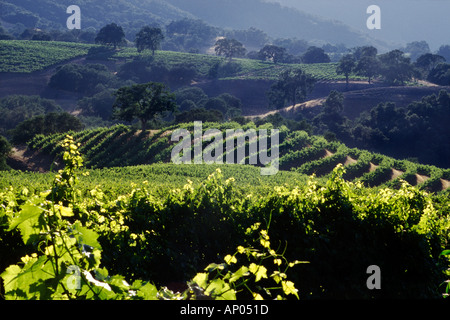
(195, 36)
(396, 67)
(418, 131)
(25, 116)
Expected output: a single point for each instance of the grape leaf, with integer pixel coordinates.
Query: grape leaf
(27, 222)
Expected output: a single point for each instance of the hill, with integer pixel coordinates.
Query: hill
(246, 79)
(154, 234)
(121, 146)
(32, 56)
(38, 61)
(275, 20)
(132, 15)
(51, 14)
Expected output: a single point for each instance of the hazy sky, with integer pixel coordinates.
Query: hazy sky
(402, 21)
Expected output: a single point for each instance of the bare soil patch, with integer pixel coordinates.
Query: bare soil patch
(421, 178)
(24, 159)
(349, 160)
(445, 184)
(396, 173)
(372, 167)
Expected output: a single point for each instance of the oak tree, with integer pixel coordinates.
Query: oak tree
(143, 102)
(149, 38)
(111, 34)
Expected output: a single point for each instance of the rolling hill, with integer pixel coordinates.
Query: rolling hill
(275, 20)
(136, 217)
(50, 14)
(121, 146)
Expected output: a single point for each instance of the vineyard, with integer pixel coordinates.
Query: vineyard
(29, 56)
(246, 69)
(113, 218)
(121, 146)
(213, 240)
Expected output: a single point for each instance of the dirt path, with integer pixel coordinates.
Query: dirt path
(297, 107)
(358, 100)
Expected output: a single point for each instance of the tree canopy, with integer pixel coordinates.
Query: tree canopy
(272, 53)
(291, 87)
(111, 35)
(143, 102)
(149, 38)
(229, 48)
(396, 67)
(53, 122)
(315, 55)
(346, 66)
(5, 149)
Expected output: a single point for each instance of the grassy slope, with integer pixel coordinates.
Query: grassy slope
(300, 155)
(21, 56)
(28, 56)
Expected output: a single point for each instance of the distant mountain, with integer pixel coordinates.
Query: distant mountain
(51, 14)
(276, 20)
(403, 21)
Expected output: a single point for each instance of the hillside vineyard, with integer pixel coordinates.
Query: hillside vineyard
(258, 146)
(224, 150)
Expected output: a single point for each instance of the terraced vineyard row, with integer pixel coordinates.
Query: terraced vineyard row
(299, 152)
(19, 56)
(29, 56)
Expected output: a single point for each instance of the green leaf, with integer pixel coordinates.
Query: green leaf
(85, 236)
(258, 271)
(148, 292)
(29, 282)
(220, 290)
(201, 279)
(241, 272)
(278, 276)
(28, 222)
(214, 266)
(289, 288)
(9, 277)
(65, 211)
(229, 259)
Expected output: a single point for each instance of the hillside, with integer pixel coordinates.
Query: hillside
(275, 20)
(38, 61)
(128, 175)
(284, 22)
(50, 14)
(121, 146)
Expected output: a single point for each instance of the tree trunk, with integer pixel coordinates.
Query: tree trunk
(143, 124)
